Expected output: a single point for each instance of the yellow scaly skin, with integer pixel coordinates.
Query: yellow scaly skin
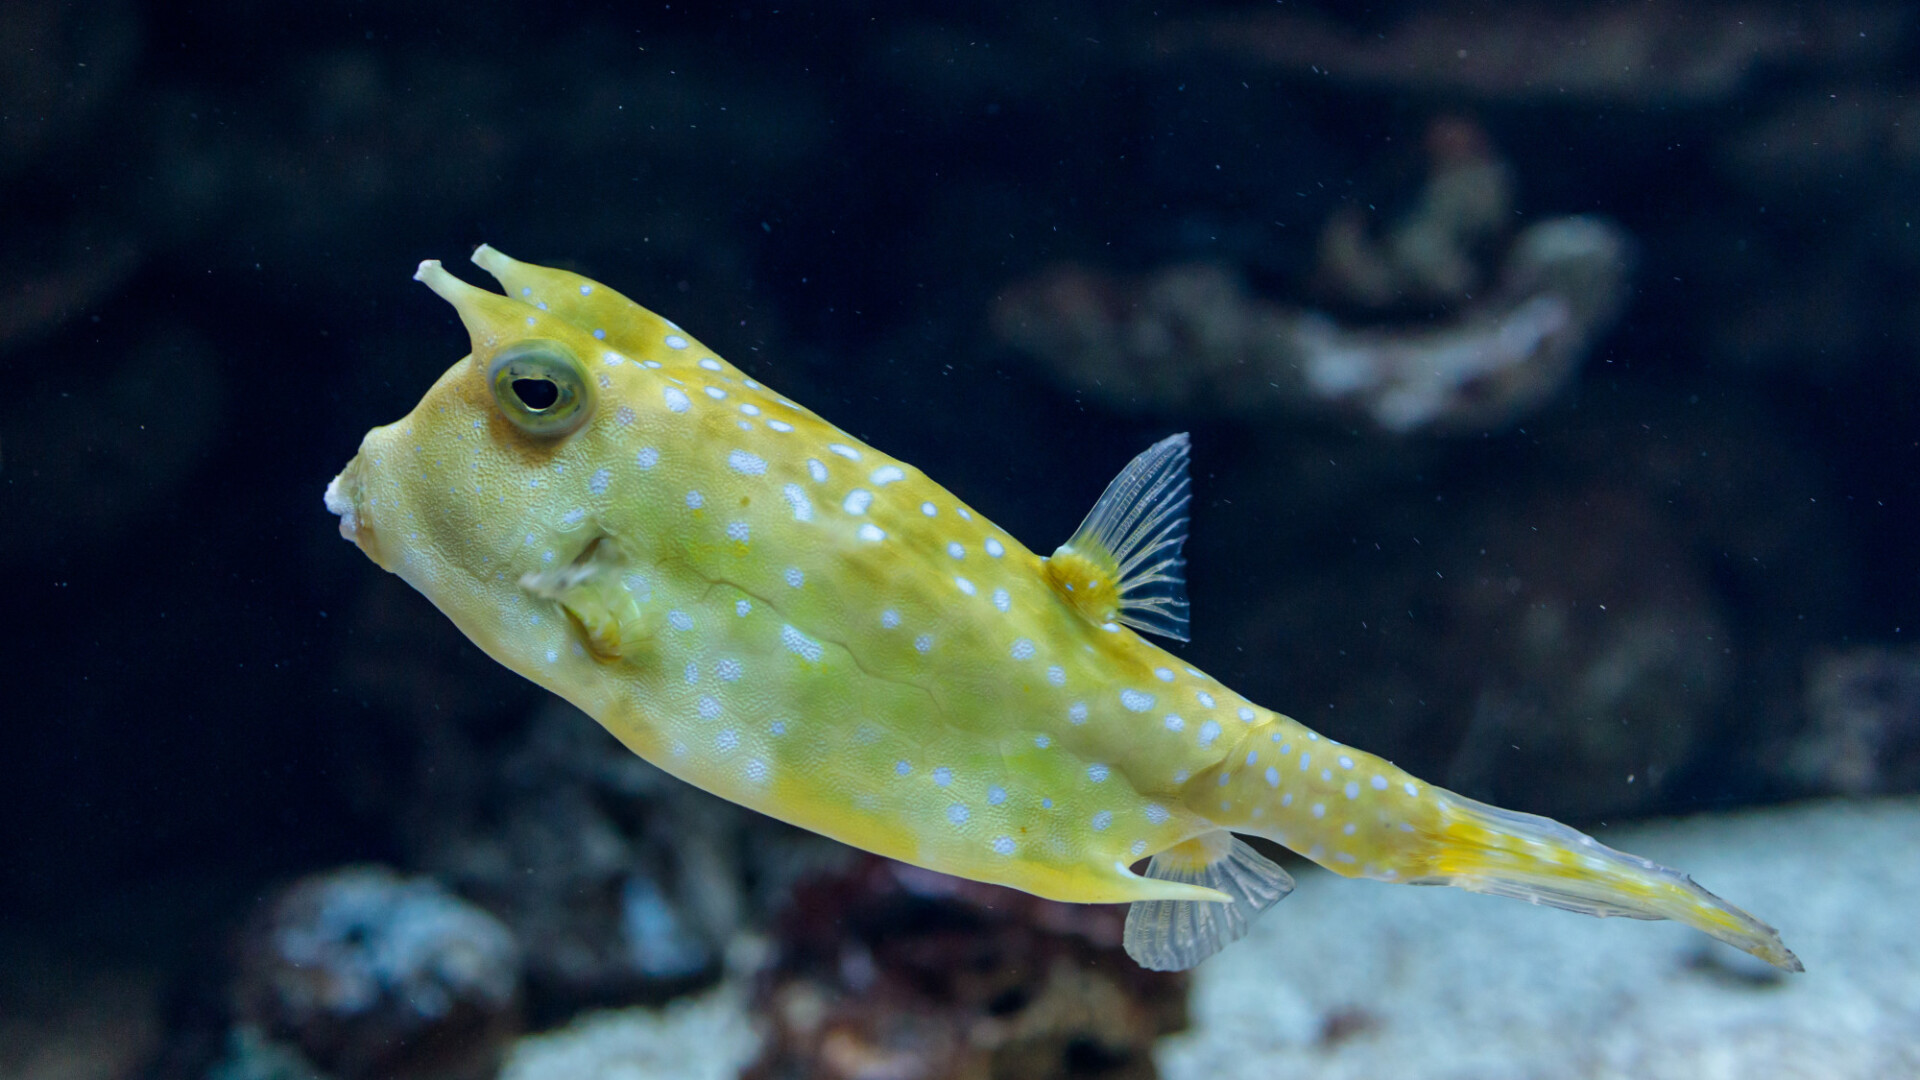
(776, 612)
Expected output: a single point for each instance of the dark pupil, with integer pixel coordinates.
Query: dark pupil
(536, 394)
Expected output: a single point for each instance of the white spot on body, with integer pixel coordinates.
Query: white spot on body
(886, 474)
(738, 530)
(955, 550)
(928, 509)
(817, 469)
(1353, 790)
(857, 501)
(726, 739)
(889, 618)
(994, 547)
(750, 408)
(677, 401)
(1209, 731)
(1319, 809)
(728, 669)
(1174, 723)
(741, 461)
(780, 426)
(1205, 699)
(1002, 600)
(1379, 783)
(943, 776)
(963, 585)
(647, 458)
(715, 392)
(801, 645)
(902, 767)
(1273, 777)
(599, 481)
(1163, 674)
(1157, 814)
(709, 708)
(923, 643)
(1101, 820)
(1022, 649)
(797, 499)
(1345, 762)
(1136, 701)
(1245, 714)
(679, 620)
(695, 500)
(1077, 713)
(675, 341)
(872, 533)
(1097, 773)
(1057, 675)
(794, 577)
(996, 795)
(710, 363)
(1410, 789)
(756, 771)
(1003, 845)
(844, 451)
(958, 814)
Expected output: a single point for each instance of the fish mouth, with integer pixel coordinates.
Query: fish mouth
(340, 505)
(343, 500)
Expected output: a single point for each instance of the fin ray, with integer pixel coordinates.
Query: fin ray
(1140, 522)
(1174, 935)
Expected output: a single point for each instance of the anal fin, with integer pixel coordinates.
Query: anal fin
(1173, 935)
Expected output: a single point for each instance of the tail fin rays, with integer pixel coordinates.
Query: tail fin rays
(1486, 849)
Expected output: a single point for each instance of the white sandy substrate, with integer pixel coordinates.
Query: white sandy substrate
(1437, 984)
(702, 1038)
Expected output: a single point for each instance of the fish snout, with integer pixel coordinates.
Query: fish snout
(344, 498)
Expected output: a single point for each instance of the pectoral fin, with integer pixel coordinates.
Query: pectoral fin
(597, 601)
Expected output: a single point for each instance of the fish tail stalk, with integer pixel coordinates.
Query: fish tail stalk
(1485, 849)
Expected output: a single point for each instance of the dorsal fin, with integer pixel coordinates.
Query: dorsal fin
(1123, 563)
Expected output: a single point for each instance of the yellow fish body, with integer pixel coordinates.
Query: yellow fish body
(768, 608)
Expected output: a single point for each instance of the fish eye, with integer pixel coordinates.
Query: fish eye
(541, 387)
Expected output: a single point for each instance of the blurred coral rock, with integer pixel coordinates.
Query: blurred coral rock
(893, 971)
(375, 975)
(1864, 735)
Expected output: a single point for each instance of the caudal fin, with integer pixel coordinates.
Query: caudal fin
(1485, 849)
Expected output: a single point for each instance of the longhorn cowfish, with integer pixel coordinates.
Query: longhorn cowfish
(768, 608)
